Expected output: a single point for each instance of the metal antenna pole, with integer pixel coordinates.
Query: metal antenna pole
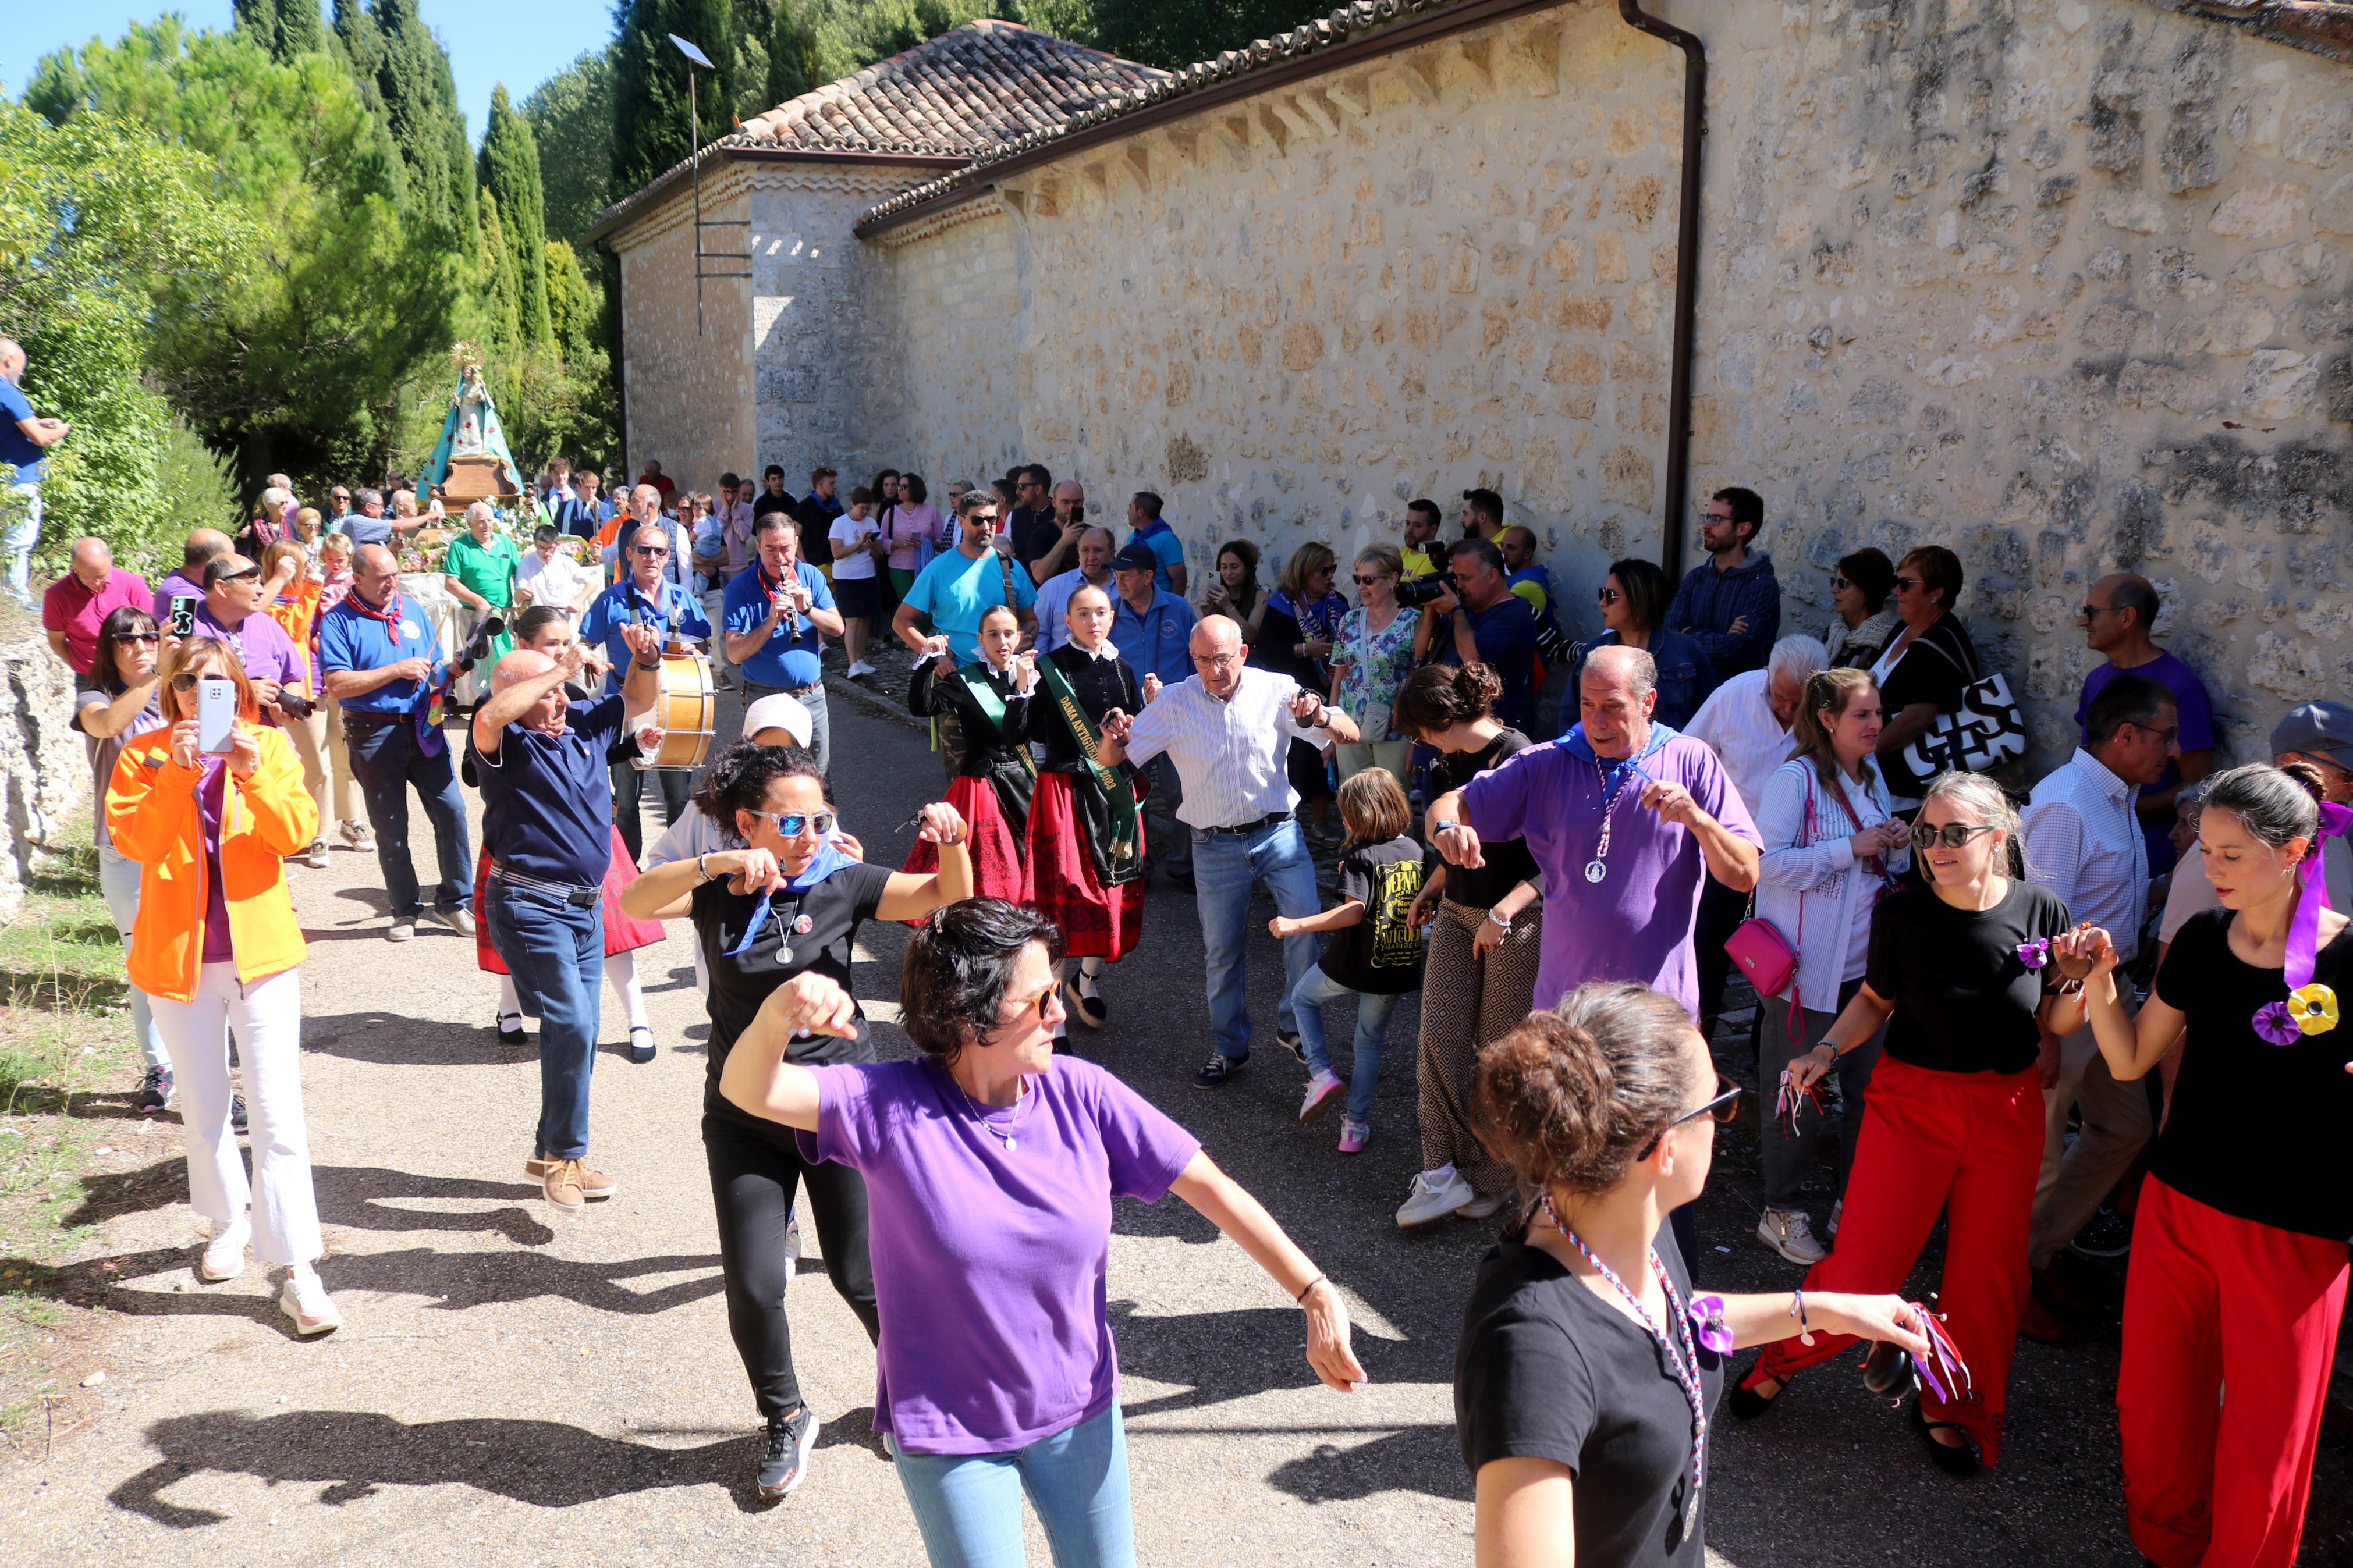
(694, 144)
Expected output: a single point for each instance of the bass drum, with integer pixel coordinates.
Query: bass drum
(686, 711)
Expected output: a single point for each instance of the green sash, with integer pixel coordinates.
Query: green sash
(1124, 852)
(974, 680)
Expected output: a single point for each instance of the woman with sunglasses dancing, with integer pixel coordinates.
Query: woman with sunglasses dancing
(1963, 975)
(1588, 1367)
(780, 907)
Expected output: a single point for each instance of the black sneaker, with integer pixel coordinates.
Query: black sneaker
(236, 1114)
(1218, 1069)
(154, 1091)
(1181, 880)
(1290, 1041)
(2109, 1234)
(784, 1453)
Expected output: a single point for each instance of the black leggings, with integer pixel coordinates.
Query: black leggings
(753, 1172)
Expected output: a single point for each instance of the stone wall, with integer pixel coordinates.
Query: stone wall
(43, 759)
(689, 394)
(2061, 283)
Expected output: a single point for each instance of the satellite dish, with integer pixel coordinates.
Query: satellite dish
(690, 52)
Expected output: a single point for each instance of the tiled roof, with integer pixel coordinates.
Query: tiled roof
(976, 87)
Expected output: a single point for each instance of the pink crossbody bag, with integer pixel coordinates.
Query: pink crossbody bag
(1766, 957)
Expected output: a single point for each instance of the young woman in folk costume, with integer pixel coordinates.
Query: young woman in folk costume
(995, 777)
(1086, 838)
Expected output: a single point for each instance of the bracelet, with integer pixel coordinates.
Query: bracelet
(1302, 1297)
(703, 871)
(1797, 1311)
(641, 664)
(1498, 921)
(1437, 827)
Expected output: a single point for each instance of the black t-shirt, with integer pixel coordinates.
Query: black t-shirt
(2256, 1129)
(1380, 953)
(1024, 525)
(1547, 1369)
(1937, 667)
(1508, 861)
(783, 949)
(1964, 1000)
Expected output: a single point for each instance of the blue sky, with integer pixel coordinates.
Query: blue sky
(519, 42)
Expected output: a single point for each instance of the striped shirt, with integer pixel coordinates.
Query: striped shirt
(2084, 843)
(1228, 752)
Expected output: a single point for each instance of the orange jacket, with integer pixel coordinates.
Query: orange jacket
(152, 815)
(297, 610)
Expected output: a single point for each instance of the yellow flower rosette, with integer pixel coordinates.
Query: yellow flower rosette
(2314, 1009)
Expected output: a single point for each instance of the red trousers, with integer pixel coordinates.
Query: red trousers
(2229, 1326)
(1966, 1143)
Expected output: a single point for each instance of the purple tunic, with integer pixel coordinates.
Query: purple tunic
(1635, 922)
(210, 797)
(989, 1261)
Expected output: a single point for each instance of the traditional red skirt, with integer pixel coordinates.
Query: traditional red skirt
(1097, 921)
(998, 871)
(624, 932)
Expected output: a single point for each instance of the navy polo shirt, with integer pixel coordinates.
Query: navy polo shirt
(548, 801)
(669, 609)
(1159, 641)
(350, 640)
(785, 658)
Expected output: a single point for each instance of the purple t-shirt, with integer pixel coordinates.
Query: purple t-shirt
(269, 654)
(178, 585)
(218, 949)
(1635, 922)
(2194, 713)
(989, 1261)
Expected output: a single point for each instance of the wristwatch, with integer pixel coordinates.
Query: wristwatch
(1322, 717)
(1437, 827)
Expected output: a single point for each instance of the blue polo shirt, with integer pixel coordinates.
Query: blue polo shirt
(349, 640)
(1159, 640)
(1504, 632)
(17, 450)
(1167, 548)
(955, 591)
(672, 609)
(547, 800)
(362, 529)
(785, 658)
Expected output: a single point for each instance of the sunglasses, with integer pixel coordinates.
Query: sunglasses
(793, 824)
(1024, 1007)
(654, 549)
(252, 575)
(1840, 583)
(2088, 611)
(1953, 834)
(186, 680)
(1609, 595)
(1905, 585)
(139, 636)
(1723, 1108)
(1365, 581)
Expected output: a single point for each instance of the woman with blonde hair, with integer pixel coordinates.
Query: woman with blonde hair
(1295, 638)
(1832, 846)
(216, 946)
(1371, 654)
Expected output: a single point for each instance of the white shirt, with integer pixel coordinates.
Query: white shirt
(1054, 602)
(1229, 754)
(1736, 720)
(2084, 843)
(555, 582)
(851, 563)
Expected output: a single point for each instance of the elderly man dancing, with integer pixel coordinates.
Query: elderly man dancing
(547, 805)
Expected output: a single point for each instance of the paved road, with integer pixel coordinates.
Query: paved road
(515, 1388)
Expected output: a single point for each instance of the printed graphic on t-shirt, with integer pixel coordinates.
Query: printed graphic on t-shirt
(1396, 944)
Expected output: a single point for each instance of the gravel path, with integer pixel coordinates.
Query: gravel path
(513, 1387)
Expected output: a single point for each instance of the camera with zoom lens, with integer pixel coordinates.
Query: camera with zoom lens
(1415, 592)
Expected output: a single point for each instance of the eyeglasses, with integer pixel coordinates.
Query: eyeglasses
(1366, 582)
(793, 824)
(2169, 735)
(1217, 660)
(1723, 1108)
(1609, 595)
(1716, 516)
(139, 636)
(1953, 834)
(186, 680)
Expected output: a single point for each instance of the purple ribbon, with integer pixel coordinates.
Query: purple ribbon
(2276, 1026)
(2271, 1020)
(1708, 1327)
(2036, 953)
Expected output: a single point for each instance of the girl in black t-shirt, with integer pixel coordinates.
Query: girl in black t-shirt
(1588, 1369)
(2238, 1279)
(1963, 975)
(784, 904)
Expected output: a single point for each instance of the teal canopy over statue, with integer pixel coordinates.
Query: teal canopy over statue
(473, 444)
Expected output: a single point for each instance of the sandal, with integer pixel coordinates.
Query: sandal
(1961, 1461)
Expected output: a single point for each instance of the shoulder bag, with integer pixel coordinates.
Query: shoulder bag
(1767, 958)
(1984, 731)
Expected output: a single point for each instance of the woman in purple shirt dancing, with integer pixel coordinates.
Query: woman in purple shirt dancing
(990, 1166)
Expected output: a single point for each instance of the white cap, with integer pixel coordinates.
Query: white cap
(779, 710)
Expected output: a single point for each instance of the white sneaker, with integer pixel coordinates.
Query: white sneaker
(1480, 1208)
(860, 668)
(1322, 1090)
(1427, 1205)
(305, 1299)
(1789, 1233)
(223, 1257)
(1835, 1209)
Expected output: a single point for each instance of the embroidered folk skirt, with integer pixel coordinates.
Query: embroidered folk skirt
(1066, 886)
(998, 869)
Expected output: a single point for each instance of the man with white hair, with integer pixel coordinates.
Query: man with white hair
(545, 810)
(1746, 720)
(25, 440)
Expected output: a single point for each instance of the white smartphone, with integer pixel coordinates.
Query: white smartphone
(216, 715)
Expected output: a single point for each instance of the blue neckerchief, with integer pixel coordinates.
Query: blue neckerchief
(823, 864)
(1613, 769)
(1158, 525)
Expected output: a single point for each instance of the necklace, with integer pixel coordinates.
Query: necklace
(1683, 1363)
(1598, 867)
(980, 1114)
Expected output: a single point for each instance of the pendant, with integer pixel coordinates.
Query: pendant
(1595, 870)
(1009, 1141)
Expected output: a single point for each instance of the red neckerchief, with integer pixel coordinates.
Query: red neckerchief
(389, 614)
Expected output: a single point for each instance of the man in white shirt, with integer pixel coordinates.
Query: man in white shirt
(1229, 730)
(2082, 841)
(1747, 723)
(1096, 546)
(550, 576)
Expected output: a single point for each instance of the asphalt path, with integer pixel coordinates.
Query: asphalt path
(511, 1387)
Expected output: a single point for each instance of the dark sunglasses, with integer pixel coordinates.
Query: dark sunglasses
(793, 824)
(139, 636)
(250, 574)
(1723, 1108)
(1023, 1007)
(1365, 581)
(1609, 595)
(2088, 611)
(1840, 583)
(186, 680)
(655, 550)
(1953, 834)
(1905, 585)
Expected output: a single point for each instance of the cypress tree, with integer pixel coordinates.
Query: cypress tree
(302, 29)
(420, 105)
(651, 88)
(509, 170)
(503, 294)
(791, 54)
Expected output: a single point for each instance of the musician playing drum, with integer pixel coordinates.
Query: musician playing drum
(777, 609)
(644, 597)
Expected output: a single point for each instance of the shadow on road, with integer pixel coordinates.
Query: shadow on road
(391, 1039)
(358, 1197)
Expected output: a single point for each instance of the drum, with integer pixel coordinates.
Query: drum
(686, 709)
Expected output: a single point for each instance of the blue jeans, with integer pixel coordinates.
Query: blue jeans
(968, 1506)
(555, 952)
(1307, 998)
(1225, 868)
(118, 879)
(22, 535)
(386, 761)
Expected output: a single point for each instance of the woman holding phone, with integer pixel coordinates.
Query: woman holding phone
(211, 808)
(121, 706)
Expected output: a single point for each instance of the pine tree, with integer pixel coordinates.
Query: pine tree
(650, 131)
(509, 170)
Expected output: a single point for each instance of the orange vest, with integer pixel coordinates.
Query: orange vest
(297, 610)
(152, 815)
